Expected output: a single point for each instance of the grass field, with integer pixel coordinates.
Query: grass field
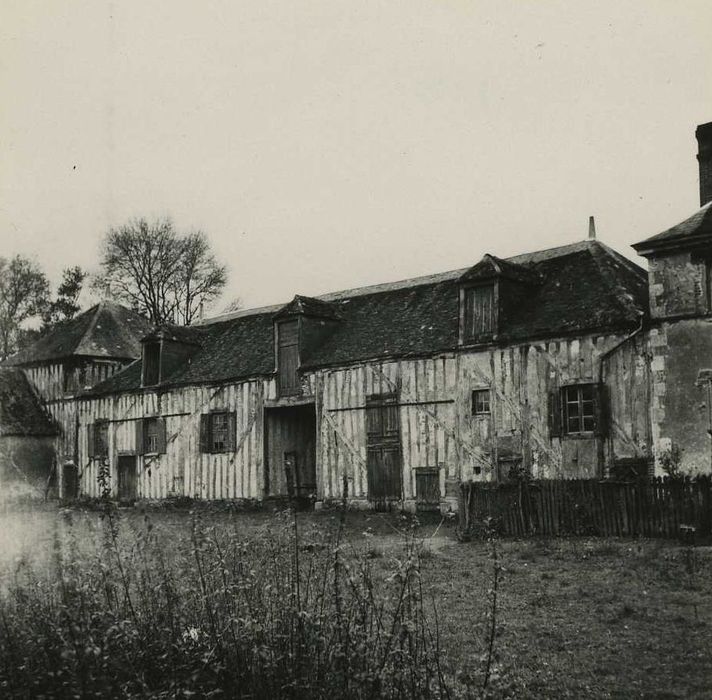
(574, 617)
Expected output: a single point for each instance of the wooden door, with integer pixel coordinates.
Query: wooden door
(70, 481)
(126, 478)
(427, 489)
(383, 453)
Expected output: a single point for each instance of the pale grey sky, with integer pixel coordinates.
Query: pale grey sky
(326, 145)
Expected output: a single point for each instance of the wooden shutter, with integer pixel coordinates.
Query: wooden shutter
(205, 433)
(374, 425)
(391, 426)
(161, 435)
(231, 430)
(140, 444)
(601, 405)
(555, 414)
(91, 444)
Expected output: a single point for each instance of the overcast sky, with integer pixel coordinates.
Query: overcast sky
(326, 145)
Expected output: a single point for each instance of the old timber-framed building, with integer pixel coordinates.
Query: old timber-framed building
(568, 362)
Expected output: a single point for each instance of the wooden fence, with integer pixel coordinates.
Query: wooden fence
(648, 507)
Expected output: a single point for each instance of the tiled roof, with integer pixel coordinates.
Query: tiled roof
(193, 335)
(491, 266)
(106, 330)
(696, 230)
(21, 410)
(309, 306)
(583, 287)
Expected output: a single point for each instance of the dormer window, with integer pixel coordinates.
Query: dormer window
(479, 313)
(151, 363)
(288, 357)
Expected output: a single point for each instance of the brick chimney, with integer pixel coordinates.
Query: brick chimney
(704, 156)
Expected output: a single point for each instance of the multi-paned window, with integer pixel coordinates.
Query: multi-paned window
(479, 313)
(217, 432)
(579, 408)
(151, 436)
(481, 402)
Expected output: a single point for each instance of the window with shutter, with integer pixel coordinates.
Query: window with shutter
(151, 435)
(101, 439)
(288, 357)
(479, 313)
(217, 432)
(581, 410)
(151, 363)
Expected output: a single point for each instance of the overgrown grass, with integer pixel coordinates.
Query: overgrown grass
(169, 604)
(213, 612)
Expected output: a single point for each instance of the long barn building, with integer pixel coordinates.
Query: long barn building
(568, 362)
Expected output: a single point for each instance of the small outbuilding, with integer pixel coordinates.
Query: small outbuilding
(27, 433)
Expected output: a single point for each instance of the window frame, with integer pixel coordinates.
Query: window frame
(217, 447)
(469, 333)
(152, 346)
(481, 392)
(207, 432)
(149, 449)
(583, 416)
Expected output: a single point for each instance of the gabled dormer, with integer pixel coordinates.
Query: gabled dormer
(166, 349)
(299, 327)
(489, 293)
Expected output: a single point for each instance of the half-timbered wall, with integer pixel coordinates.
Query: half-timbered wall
(437, 427)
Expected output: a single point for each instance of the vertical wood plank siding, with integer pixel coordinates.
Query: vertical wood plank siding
(437, 427)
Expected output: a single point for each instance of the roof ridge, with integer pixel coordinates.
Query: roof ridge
(622, 295)
(407, 282)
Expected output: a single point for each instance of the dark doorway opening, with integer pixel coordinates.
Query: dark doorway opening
(290, 451)
(70, 481)
(127, 479)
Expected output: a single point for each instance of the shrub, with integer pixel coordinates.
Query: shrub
(216, 614)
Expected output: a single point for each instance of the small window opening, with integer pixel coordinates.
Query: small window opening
(479, 315)
(150, 435)
(579, 408)
(219, 432)
(481, 402)
(151, 363)
(101, 439)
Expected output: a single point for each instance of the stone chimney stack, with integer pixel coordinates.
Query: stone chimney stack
(591, 228)
(704, 156)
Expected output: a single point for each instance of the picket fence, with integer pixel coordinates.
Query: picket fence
(659, 507)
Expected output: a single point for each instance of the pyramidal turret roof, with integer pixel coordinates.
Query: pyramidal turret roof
(106, 330)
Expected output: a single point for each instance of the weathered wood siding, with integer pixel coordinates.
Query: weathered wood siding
(183, 469)
(57, 380)
(437, 427)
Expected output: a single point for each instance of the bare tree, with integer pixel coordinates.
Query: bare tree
(199, 278)
(24, 294)
(163, 274)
